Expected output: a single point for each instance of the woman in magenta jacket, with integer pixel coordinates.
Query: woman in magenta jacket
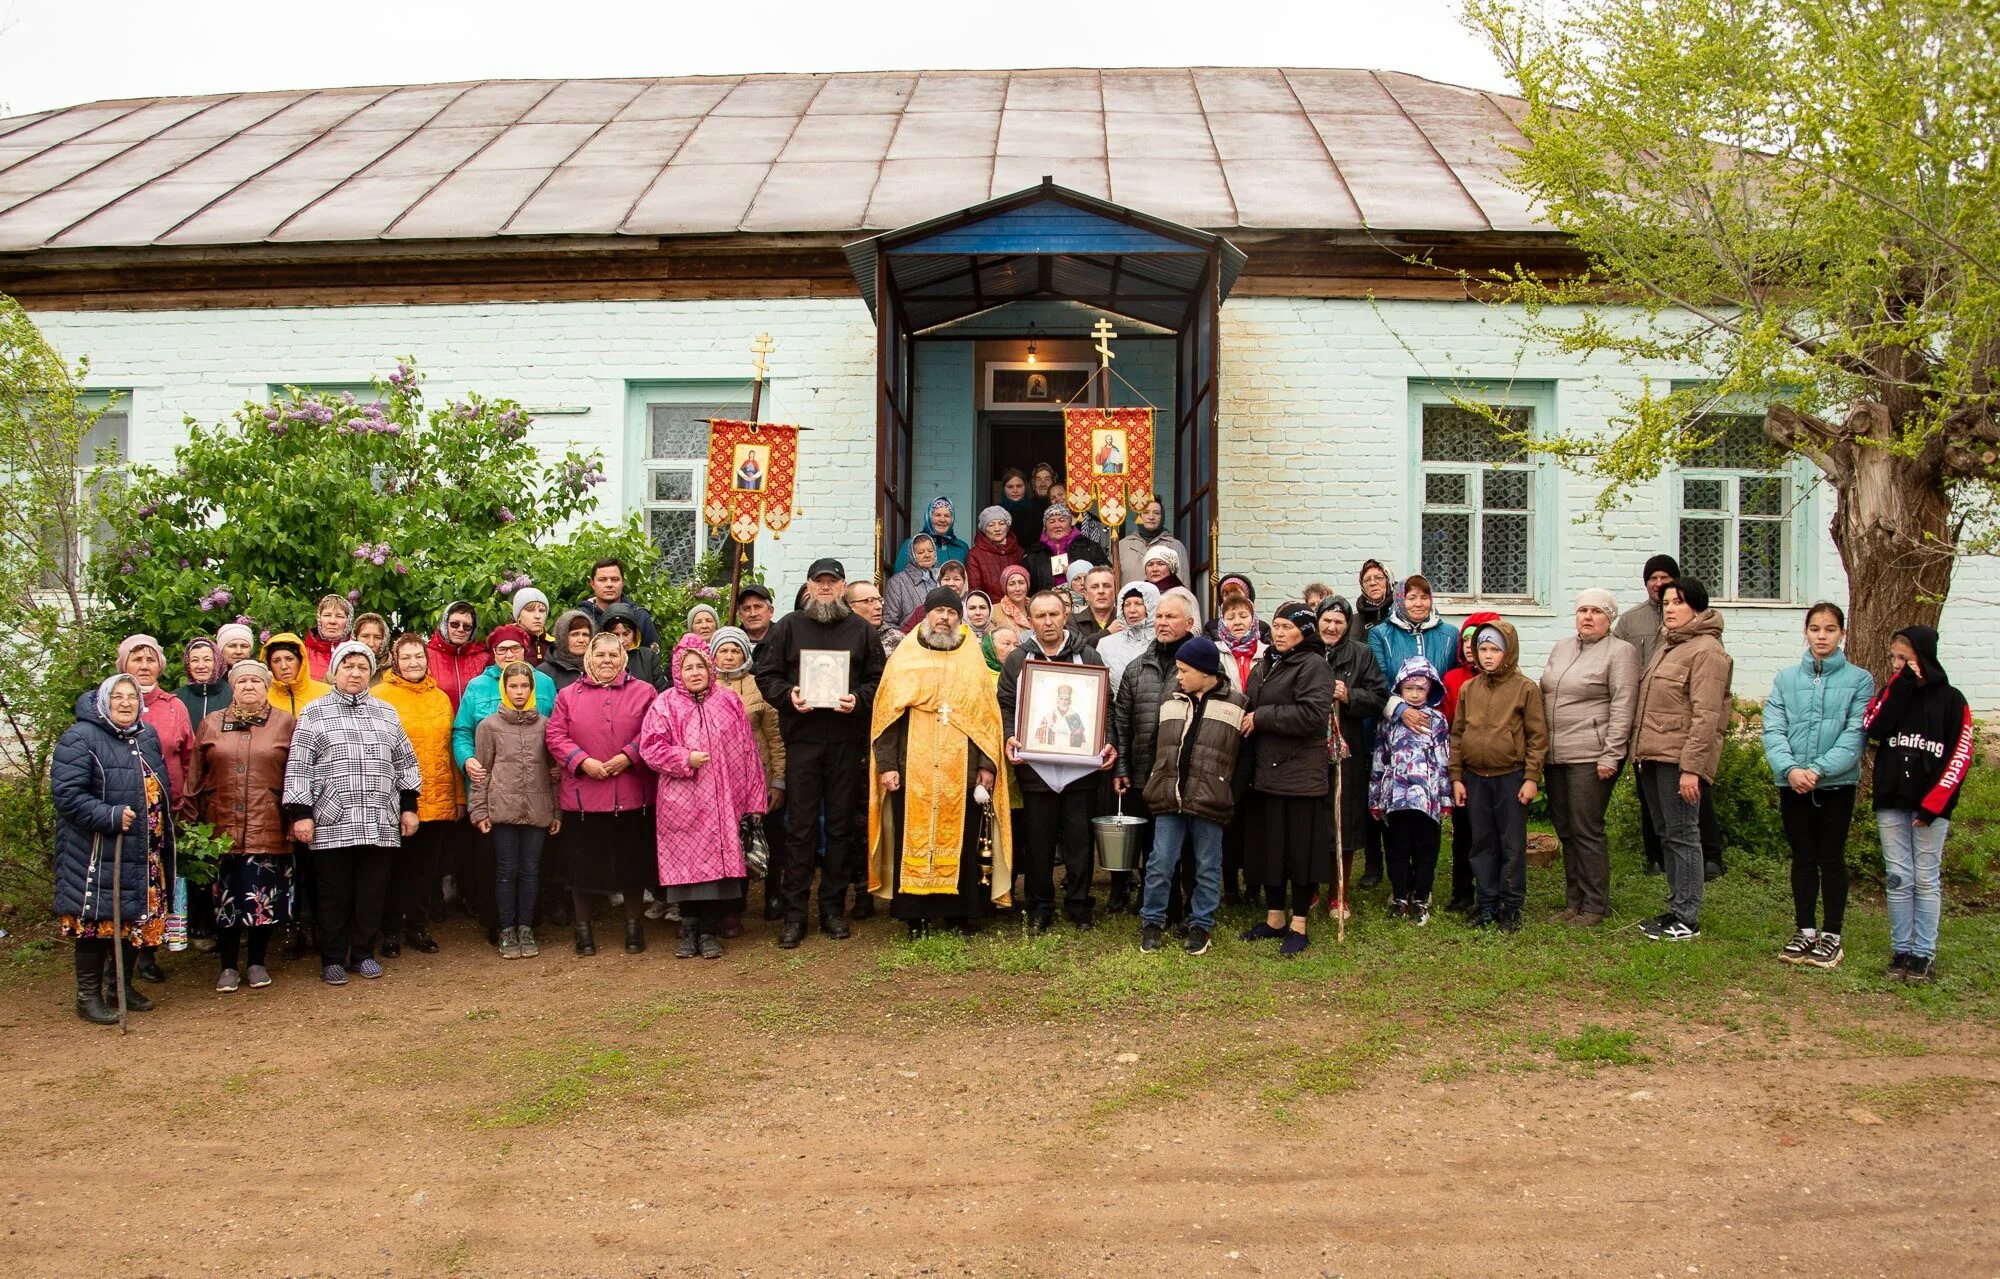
(607, 791)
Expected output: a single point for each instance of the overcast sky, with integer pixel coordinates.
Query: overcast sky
(58, 52)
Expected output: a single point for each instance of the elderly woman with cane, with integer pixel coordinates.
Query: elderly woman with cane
(114, 836)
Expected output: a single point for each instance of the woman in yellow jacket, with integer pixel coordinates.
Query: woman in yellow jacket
(292, 686)
(425, 711)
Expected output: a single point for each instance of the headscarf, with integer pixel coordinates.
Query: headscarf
(981, 633)
(986, 647)
(1310, 644)
(202, 641)
(131, 642)
(730, 635)
(1169, 557)
(950, 546)
(125, 731)
(1060, 547)
(511, 669)
(1247, 644)
(624, 659)
(703, 608)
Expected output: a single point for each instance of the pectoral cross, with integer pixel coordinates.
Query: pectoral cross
(759, 349)
(944, 714)
(1104, 334)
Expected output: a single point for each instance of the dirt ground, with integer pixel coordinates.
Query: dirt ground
(825, 1113)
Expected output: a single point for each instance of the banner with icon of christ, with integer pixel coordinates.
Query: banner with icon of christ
(1109, 456)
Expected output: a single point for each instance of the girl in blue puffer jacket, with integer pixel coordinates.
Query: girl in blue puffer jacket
(1813, 740)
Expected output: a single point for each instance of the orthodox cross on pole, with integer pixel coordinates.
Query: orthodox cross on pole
(760, 351)
(1105, 335)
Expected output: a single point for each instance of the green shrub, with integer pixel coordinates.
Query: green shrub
(400, 506)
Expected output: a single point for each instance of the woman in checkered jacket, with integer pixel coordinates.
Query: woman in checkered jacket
(351, 793)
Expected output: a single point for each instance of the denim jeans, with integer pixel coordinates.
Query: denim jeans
(517, 856)
(1170, 832)
(1913, 859)
(1678, 824)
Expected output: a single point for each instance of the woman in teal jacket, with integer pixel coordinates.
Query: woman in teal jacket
(1813, 740)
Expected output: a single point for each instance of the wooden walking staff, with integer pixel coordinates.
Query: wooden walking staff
(118, 926)
(760, 350)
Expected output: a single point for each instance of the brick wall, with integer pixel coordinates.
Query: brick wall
(1315, 449)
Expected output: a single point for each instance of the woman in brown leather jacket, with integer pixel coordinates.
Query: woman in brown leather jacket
(233, 784)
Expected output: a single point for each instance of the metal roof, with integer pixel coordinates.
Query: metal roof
(1224, 149)
(1044, 242)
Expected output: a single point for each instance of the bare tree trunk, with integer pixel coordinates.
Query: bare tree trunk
(1892, 525)
(1892, 518)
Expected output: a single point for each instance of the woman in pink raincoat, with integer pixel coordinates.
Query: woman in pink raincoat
(697, 737)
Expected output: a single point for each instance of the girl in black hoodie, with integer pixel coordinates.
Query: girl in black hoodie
(1924, 729)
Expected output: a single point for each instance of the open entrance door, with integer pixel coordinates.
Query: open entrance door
(1049, 242)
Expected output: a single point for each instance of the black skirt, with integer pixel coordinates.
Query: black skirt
(612, 852)
(1288, 839)
(973, 900)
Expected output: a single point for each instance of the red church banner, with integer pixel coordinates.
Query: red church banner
(1110, 460)
(752, 470)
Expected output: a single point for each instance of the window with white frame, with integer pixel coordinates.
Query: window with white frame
(1735, 506)
(107, 444)
(1478, 521)
(676, 444)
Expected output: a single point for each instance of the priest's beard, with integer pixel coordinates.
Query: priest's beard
(830, 611)
(943, 641)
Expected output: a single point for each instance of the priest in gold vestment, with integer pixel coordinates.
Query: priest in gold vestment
(934, 853)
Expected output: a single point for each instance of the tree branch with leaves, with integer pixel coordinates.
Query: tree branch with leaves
(1795, 200)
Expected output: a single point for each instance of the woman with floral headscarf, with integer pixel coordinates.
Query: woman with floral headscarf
(114, 838)
(950, 547)
(606, 792)
(697, 738)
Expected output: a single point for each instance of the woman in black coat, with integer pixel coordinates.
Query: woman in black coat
(114, 836)
(1359, 693)
(1289, 831)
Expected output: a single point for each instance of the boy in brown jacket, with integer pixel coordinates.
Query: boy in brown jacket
(1498, 742)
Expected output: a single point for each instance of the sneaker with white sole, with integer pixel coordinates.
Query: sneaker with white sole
(227, 982)
(1420, 911)
(1151, 938)
(1800, 947)
(1675, 930)
(1826, 952)
(1197, 941)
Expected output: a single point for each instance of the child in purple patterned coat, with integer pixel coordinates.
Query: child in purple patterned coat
(1407, 788)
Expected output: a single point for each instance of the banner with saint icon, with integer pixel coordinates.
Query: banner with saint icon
(752, 471)
(1110, 460)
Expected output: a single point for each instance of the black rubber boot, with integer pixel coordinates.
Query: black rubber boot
(90, 1003)
(149, 965)
(586, 941)
(635, 936)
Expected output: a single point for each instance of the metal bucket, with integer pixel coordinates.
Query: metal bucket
(1117, 841)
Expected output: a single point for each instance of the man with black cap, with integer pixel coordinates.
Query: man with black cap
(1641, 627)
(826, 749)
(753, 614)
(1059, 799)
